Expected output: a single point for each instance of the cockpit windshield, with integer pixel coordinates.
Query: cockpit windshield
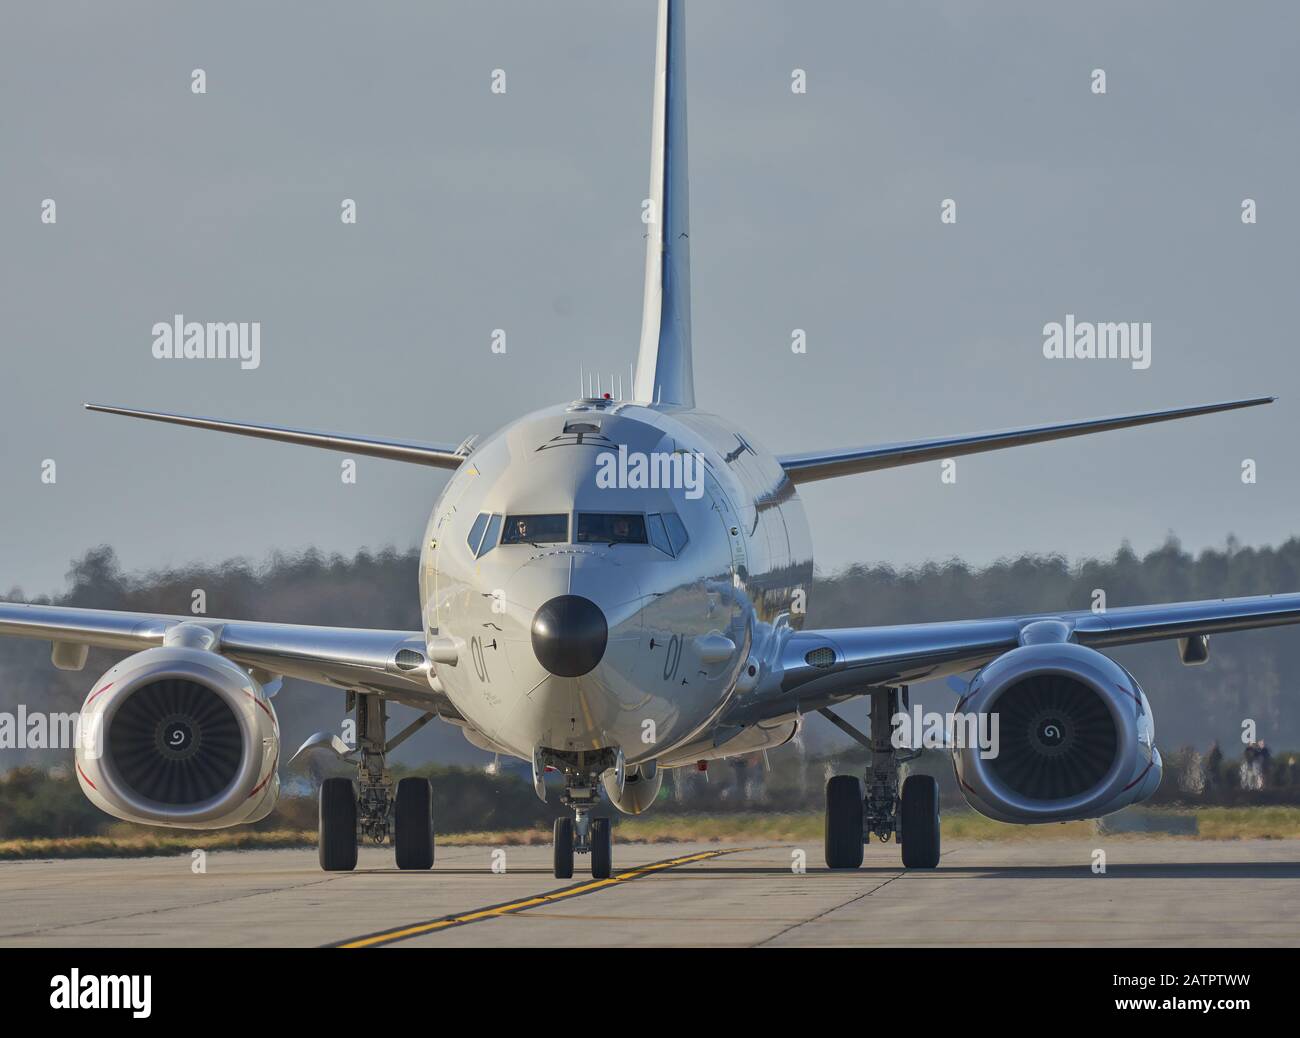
(536, 529)
(597, 528)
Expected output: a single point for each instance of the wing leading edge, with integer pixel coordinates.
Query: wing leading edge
(866, 657)
(441, 457)
(391, 662)
(814, 465)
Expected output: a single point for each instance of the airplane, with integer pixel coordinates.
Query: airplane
(615, 586)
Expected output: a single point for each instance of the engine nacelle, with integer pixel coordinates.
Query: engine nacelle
(640, 787)
(181, 737)
(1076, 738)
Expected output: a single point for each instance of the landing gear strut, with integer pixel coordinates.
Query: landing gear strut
(583, 833)
(375, 784)
(852, 816)
(376, 808)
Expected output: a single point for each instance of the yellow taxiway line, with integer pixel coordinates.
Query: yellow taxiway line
(523, 904)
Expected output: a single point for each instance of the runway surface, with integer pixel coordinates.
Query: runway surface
(1040, 892)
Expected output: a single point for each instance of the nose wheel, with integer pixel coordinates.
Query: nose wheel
(582, 834)
(602, 851)
(563, 848)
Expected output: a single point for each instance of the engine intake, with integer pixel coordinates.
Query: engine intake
(179, 736)
(176, 741)
(1058, 739)
(1075, 737)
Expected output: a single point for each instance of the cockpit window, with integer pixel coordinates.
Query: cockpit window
(536, 529)
(667, 532)
(598, 528)
(658, 535)
(676, 531)
(483, 534)
(476, 532)
(490, 538)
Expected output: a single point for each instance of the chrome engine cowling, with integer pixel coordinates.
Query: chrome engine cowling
(640, 787)
(1075, 737)
(181, 737)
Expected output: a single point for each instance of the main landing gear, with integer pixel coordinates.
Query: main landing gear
(583, 833)
(376, 808)
(851, 816)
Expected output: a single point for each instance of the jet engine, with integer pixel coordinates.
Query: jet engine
(1073, 736)
(640, 787)
(181, 737)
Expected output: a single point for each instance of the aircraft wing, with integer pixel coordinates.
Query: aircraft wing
(442, 457)
(811, 669)
(395, 663)
(846, 461)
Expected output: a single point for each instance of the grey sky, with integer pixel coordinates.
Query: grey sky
(521, 212)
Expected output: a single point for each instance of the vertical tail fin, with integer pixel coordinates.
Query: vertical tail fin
(663, 370)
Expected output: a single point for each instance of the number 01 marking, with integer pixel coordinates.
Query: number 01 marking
(673, 658)
(480, 664)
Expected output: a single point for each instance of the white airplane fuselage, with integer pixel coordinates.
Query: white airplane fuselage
(681, 623)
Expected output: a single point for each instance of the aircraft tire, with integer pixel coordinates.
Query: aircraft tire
(337, 842)
(602, 856)
(563, 848)
(843, 822)
(413, 824)
(918, 827)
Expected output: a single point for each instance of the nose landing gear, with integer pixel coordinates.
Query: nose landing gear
(583, 833)
(852, 817)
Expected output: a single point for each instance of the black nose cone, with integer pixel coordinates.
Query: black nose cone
(569, 635)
